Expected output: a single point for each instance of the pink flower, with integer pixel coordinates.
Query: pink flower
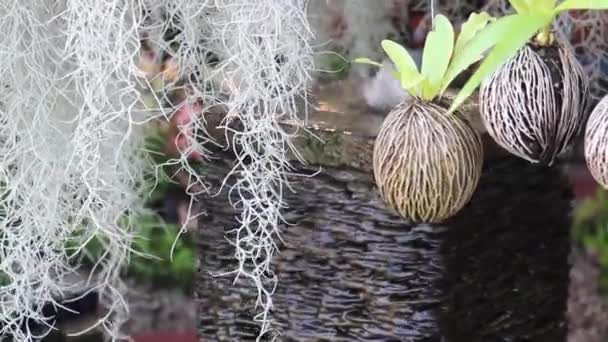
(419, 25)
(338, 26)
(181, 131)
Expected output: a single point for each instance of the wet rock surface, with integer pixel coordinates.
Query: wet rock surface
(353, 271)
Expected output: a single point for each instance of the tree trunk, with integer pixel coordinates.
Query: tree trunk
(351, 270)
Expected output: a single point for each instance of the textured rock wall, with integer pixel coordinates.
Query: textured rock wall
(352, 271)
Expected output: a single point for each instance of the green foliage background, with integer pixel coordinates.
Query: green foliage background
(152, 262)
(591, 230)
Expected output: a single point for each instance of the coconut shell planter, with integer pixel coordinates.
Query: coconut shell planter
(596, 143)
(534, 106)
(426, 163)
(534, 92)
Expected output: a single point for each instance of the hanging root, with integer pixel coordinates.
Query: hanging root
(177, 31)
(253, 59)
(269, 64)
(70, 161)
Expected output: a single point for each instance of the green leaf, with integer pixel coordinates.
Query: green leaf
(582, 5)
(549, 3)
(475, 23)
(411, 83)
(406, 67)
(520, 6)
(437, 53)
(474, 49)
(519, 32)
(542, 6)
(395, 74)
(367, 61)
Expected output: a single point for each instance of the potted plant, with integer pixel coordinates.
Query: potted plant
(596, 136)
(533, 100)
(427, 161)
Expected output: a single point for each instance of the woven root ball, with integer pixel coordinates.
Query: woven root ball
(534, 106)
(427, 163)
(596, 143)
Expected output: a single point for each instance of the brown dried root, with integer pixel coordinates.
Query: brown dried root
(534, 106)
(596, 143)
(427, 164)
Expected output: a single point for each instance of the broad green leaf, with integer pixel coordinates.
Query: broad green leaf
(476, 47)
(550, 3)
(475, 23)
(437, 53)
(542, 6)
(520, 6)
(406, 67)
(520, 32)
(581, 5)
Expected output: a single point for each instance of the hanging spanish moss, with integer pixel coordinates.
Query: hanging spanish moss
(534, 106)
(596, 142)
(427, 163)
(81, 82)
(71, 161)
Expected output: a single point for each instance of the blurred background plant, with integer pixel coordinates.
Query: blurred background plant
(590, 231)
(160, 256)
(334, 66)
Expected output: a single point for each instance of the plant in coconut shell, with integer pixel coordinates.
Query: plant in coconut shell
(533, 90)
(596, 142)
(427, 162)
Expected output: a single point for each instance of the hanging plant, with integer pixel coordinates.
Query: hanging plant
(596, 143)
(427, 162)
(533, 103)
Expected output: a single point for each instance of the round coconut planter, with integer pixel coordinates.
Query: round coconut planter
(353, 270)
(596, 143)
(534, 105)
(427, 163)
